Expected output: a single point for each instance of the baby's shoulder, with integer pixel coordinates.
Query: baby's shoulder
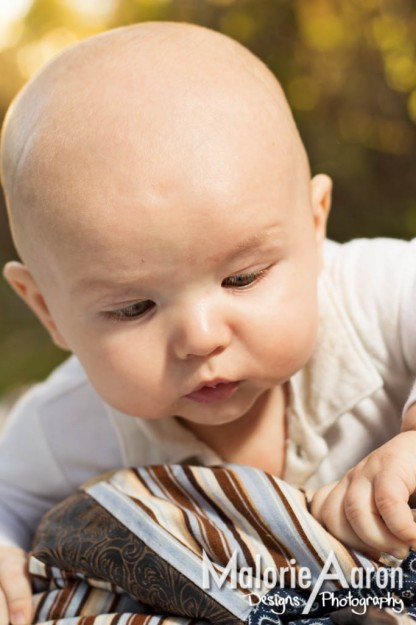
(372, 285)
(365, 253)
(380, 268)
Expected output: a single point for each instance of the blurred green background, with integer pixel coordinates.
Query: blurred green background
(349, 71)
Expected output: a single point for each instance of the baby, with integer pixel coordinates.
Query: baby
(173, 240)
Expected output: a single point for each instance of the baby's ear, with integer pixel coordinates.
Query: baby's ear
(321, 194)
(22, 281)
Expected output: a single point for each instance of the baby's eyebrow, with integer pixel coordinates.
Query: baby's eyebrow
(239, 248)
(248, 244)
(88, 285)
(252, 243)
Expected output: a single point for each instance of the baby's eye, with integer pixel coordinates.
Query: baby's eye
(241, 280)
(133, 311)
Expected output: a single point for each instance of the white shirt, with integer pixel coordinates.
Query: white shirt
(346, 402)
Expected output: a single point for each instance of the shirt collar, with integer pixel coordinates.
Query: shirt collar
(340, 372)
(338, 376)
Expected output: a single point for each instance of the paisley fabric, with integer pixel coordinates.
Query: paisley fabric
(191, 545)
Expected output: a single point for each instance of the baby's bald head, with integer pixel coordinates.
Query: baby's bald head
(136, 98)
(160, 198)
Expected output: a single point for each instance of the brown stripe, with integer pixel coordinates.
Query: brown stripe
(295, 520)
(198, 514)
(44, 596)
(226, 520)
(174, 491)
(153, 515)
(58, 604)
(237, 493)
(209, 532)
(84, 600)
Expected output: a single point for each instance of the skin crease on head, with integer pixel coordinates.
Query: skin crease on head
(161, 202)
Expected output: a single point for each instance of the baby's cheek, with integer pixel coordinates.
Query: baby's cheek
(125, 374)
(287, 344)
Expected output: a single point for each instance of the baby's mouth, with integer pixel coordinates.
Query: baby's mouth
(213, 391)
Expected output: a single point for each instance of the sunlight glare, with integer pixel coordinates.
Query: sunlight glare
(13, 10)
(93, 8)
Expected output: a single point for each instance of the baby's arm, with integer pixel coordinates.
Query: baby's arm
(15, 589)
(59, 435)
(368, 508)
(28, 488)
(18, 506)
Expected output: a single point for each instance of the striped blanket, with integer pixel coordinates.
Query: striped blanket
(184, 545)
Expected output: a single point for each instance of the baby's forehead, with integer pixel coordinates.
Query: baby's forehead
(158, 66)
(172, 93)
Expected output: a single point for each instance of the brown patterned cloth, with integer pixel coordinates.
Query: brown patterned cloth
(141, 545)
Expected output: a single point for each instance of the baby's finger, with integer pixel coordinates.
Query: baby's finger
(329, 510)
(364, 518)
(318, 499)
(15, 584)
(4, 612)
(391, 495)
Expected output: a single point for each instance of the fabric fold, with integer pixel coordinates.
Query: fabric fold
(226, 545)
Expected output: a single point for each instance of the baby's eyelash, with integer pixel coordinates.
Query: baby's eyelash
(243, 280)
(136, 310)
(131, 312)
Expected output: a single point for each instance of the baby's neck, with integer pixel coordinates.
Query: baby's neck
(256, 439)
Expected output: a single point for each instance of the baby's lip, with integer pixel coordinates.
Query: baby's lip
(210, 391)
(210, 383)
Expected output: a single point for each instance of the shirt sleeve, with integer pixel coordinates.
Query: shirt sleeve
(31, 480)
(376, 281)
(411, 399)
(59, 435)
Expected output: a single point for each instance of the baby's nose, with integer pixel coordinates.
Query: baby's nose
(201, 330)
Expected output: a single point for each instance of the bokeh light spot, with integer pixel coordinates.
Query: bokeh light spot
(303, 93)
(36, 53)
(239, 25)
(387, 32)
(93, 8)
(13, 10)
(411, 106)
(401, 71)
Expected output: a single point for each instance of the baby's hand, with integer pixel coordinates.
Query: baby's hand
(15, 590)
(368, 509)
